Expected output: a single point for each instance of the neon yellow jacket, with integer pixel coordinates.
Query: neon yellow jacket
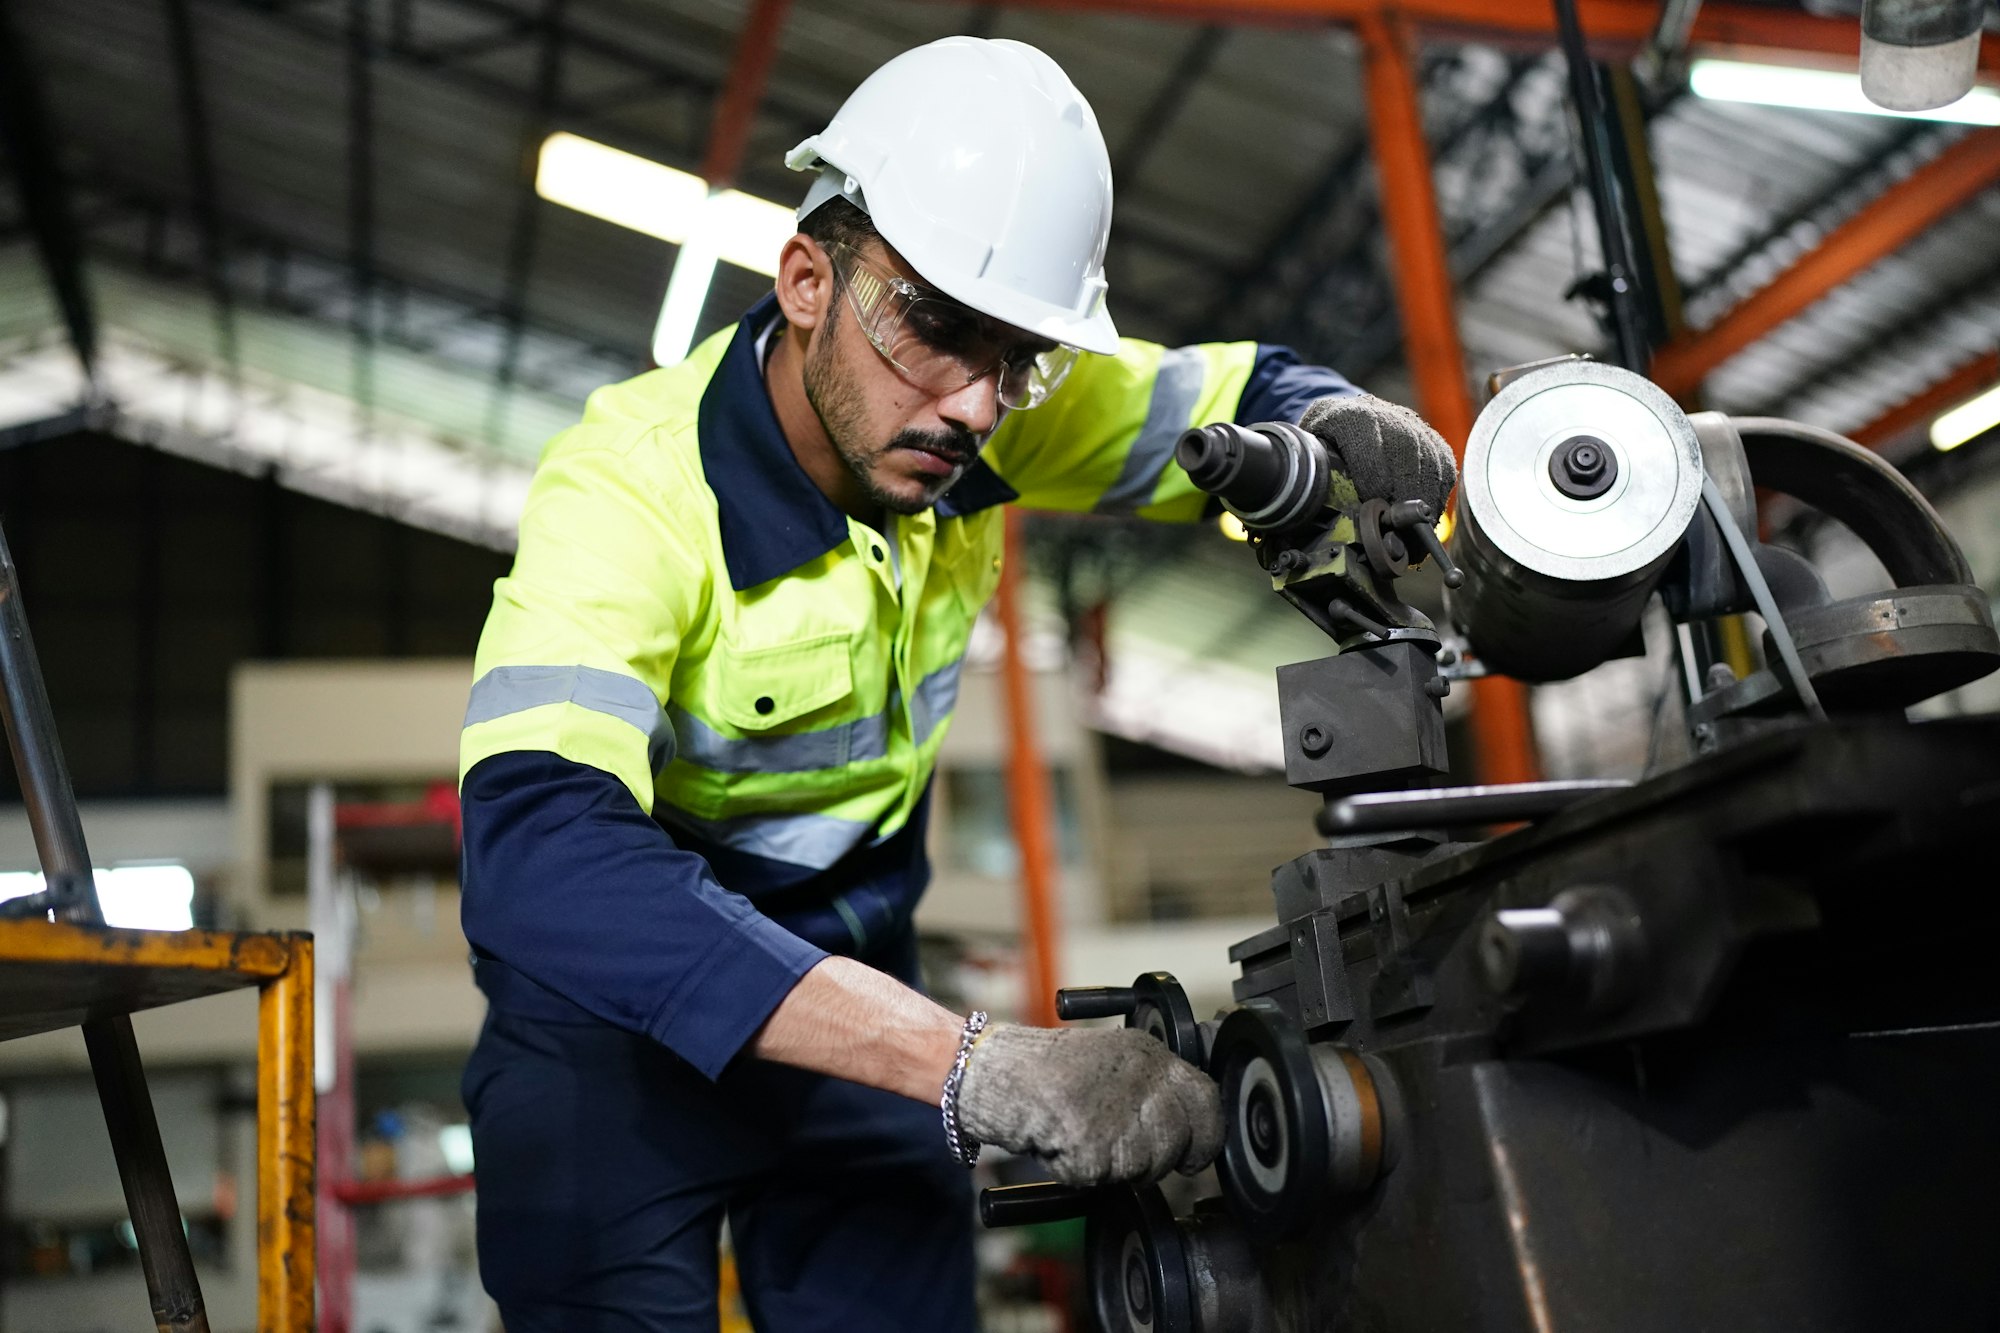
(765, 677)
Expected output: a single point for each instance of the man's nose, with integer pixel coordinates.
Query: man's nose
(975, 407)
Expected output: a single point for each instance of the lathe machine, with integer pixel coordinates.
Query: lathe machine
(1718, 1049)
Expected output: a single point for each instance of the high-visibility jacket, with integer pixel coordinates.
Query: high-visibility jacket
(707, 703)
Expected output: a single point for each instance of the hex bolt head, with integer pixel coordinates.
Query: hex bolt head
(1583, 467)
(1314, 741)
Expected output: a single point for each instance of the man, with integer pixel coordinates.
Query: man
(707, 706)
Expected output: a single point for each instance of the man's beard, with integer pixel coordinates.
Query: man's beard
(840, 404)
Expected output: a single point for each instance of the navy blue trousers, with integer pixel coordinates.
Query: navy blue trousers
(607, 1164)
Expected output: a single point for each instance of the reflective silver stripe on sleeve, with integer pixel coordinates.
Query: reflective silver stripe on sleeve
(813, 841)
(1176, 390)
(802, 751)
(515, 689)
(936, 695)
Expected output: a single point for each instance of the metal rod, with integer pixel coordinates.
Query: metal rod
(1444, 807)
(171, 1284)
(1627, 316)
(38, 761)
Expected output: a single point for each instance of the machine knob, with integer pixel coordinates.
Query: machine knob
(1587, 946)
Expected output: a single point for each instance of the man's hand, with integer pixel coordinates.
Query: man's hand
(1387, 451)
(1097, 1104)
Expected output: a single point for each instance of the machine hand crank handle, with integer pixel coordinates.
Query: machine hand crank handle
(1074, 1002)
(1041, 1201)
(1415, 518)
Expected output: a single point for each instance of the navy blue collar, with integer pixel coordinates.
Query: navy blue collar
(772, 515)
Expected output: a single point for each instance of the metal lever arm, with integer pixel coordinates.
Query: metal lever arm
(1415, 518)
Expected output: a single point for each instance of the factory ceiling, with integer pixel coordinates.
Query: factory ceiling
(304, 233)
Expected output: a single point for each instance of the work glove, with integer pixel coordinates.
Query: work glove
(1097, 1104)
(1387, 451)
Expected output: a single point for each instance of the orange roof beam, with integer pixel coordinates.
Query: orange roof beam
(1616, 27)
(1900, 213)
(1920, 410)
(736, 105)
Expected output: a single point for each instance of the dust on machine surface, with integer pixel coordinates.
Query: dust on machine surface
(1716, 1049)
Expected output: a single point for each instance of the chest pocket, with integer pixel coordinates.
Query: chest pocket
(787, 700)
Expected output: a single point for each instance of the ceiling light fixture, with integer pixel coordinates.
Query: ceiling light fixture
(710, 226)
(1967, 420)
(1822, 90)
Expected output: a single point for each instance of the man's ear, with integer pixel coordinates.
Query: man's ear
(804, 283)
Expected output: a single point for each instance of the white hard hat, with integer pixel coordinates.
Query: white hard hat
(982, 164)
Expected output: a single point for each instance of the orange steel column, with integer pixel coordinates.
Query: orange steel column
(1028, 796)
(1902, 211)
(285, 1127)
(1502, 735)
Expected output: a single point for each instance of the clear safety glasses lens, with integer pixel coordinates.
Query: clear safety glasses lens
(939, 345)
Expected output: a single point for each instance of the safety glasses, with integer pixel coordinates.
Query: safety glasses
(938, 344)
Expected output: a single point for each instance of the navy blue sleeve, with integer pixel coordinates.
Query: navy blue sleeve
(568, 882)
(1281, 385)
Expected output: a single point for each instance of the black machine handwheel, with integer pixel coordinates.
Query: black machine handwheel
(1136, 1265)
(1303, 1122)
(1164, 1012)
(1154, 1003)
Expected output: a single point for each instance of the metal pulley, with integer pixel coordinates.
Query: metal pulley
(1304, 1123)
(1579, 482)
(1151, 1272)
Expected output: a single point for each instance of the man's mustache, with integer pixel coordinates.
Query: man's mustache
(958, 446)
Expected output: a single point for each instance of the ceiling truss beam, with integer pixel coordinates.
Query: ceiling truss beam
(198, 143)
(28, 136)
(1617, 29)
(1902, 212)
(1923, 408)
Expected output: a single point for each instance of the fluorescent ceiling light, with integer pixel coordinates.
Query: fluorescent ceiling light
(1822, 90)
(1967, 420)
(137, 897)
(656, 199)
(687, 294)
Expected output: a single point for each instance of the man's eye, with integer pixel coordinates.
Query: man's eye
(1021, 360)
(942, 328)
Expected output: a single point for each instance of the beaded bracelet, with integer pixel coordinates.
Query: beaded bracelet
(964, 1148)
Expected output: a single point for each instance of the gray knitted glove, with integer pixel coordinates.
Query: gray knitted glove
(1097, 1104)
(1388, 451)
